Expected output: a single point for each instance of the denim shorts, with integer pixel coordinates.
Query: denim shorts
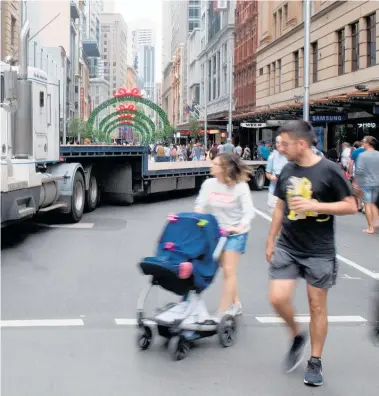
(370, 194)
(236, 243)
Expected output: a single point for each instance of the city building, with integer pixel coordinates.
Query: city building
(193, 67)
(99, 93)
(344, 68)
(166, 33)
(177, 83)
(158, 100)
(131, 78)
(167, 92)
(216, 61)
(114, 50)
(59, 27)
(10, 14)
(185, 17)
(144, 58)
(91, 34)
(245, 47)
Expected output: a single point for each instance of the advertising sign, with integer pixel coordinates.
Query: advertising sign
(327, 117)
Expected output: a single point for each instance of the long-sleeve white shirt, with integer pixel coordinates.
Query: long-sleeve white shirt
(231, 205)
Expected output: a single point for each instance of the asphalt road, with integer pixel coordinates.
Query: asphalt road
(64, 288)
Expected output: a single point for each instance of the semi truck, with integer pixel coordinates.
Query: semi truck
(39, 175)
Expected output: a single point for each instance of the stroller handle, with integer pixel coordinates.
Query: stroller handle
(220, 247)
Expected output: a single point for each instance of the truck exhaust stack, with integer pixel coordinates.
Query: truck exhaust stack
(23, 132)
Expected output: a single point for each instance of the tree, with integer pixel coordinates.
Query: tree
(77, 129)
(194, 127)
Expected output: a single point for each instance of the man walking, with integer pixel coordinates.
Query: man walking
(275, 163)
(311, 190)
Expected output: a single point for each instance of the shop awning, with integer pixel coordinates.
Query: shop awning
(354, 101)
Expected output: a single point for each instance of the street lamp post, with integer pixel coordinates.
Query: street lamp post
(205, 81)
(307, 25)
(230, 129)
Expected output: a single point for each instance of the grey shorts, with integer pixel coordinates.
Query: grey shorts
(319, 272)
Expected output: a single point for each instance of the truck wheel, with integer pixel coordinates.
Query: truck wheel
(78, 198)
(259, 179)
(92, 195)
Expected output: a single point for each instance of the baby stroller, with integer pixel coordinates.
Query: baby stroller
(186, 263)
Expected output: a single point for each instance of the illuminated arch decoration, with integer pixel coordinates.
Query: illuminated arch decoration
(138, 128)
(121, 121)
(125, 111)
(132, 123)
(122, 96)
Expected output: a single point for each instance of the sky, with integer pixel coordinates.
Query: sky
(147, 12)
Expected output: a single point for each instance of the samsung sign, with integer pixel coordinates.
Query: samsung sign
(327, 118)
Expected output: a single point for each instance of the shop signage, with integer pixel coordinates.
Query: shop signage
(253, 124)
(275, 123)
(367, 125)
(328, 117)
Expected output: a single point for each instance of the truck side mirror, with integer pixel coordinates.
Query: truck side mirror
(10, 85)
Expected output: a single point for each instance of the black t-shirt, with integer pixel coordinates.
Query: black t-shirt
(310, 234)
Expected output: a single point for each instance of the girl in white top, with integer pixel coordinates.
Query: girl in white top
(227, 196)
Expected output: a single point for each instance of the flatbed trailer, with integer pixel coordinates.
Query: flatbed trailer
(121, 173)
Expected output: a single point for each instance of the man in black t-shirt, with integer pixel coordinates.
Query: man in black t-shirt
(311, 190)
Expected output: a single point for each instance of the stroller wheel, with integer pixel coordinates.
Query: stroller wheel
(144, 338)
(178, 347)
(227, 331)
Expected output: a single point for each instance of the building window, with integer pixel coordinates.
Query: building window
(371, 40)
(13, 31)
(279, 75)
(269, 79)
(354, 46)
(314, 61)
(286, 12)
(275, 25)
(341, 51)
(218, 73)
(297, 67)
(261, 71)
(280, 22)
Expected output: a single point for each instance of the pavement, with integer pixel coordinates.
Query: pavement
(69, 297)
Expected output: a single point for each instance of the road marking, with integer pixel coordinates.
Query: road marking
(42, 323)
(350, 277)
(306, 319)
(358, 267)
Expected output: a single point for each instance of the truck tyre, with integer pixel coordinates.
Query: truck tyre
(92, 194)
(259, 179)
(78, 198)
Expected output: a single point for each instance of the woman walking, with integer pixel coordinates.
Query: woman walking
(227, 196)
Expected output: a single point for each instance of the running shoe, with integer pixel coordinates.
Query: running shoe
(313, 373)
(296, 353)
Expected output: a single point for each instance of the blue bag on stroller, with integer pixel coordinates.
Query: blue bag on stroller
(186, 262)
(188, 237)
